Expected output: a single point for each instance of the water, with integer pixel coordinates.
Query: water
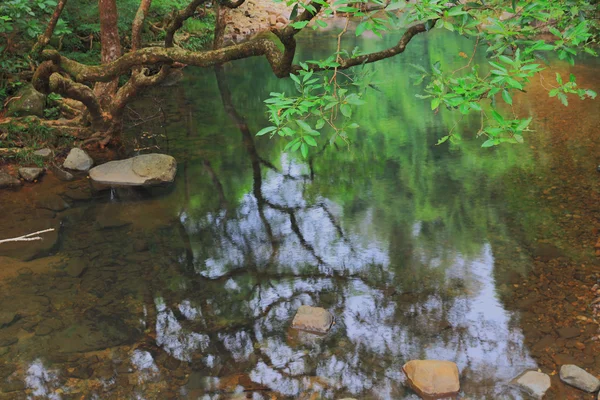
(419, 251)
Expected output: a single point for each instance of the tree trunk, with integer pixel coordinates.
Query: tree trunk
(111, 48)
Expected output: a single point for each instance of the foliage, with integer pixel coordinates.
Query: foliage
(510, 32)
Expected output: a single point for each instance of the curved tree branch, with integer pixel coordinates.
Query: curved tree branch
(138, 24)
(44, 38)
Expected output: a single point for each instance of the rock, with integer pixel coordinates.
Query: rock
(312, 319)
(107, 221)
(30, 250)
(273, 21)
(75, 267)
(568, 332)
(140, 245)
(30, 174)
(78, 160)
(52, 202)
(533, 383)
(44, 153)
(579, 378)
(7, 181)
(8, 341)
(27, 101)
(48, 326)
(7, 318)
(61, 174)
(79, 194)
(144, 170)
(433, 378)
(282, 19)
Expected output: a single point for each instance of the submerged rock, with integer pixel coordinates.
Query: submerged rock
(52, 202)
(27, 101)
(433, 378)
(30, 174)
(61, 174)
(312, 319)
(78, 160)
(144, 170)
(533, 383)
(7, 181)
(579, 378)
(75, 267)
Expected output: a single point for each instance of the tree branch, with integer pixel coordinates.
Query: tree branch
(44, 38)
(28, 237)
(138, 23)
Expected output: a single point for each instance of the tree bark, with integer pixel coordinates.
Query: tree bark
(111, 47)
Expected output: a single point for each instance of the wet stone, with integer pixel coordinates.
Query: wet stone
(30, 174)
(8, 341)
(7, 318)
(433, 378)
(48, 326)
(14, 386)
(312, 319)
(81, 372)
(75, 267)
(579, 378)
(534, 383)
(568, 332)
(52, 202)
(79, 194)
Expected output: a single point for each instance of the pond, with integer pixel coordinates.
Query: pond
(453, 252)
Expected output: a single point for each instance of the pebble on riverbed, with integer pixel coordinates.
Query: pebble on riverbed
(579, 378)
(313, 319)
(533, 383)
(433, 378)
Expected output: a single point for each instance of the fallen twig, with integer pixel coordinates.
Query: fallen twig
(28, 237)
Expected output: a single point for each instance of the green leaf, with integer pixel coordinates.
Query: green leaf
(563, 99)
(435, 102)
(299, 24)
(303, 125)
(320, 123)
(294, 12)
(346, 110)
(506, 97)
(489, 143)
(310, 141)
(304, 150)
(499, 118)
(266, 130)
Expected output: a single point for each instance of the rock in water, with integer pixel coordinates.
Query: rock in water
(433, 378)
(144, 170)
(533, 383)
(312, 319)
(579, 378)
(78, 160)
(27, 101)
(7, 181)
(61, 174)
(30, 174)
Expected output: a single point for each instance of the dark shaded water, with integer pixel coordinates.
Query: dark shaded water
(416, 249)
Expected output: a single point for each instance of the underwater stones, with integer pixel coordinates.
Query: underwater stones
(61, 173)
(78, 160)
(48, 326)
(312, 319)
(144, 170)
(433, 378)
(52, 202)
(30, 250)
(75, 267)
(7, 318)
(8, 341)
(579, 378)
(568, 332)
(533, 383)
(8, 181)
(30, 174)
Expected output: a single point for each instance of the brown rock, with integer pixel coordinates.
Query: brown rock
(433, 378)
(312, 319)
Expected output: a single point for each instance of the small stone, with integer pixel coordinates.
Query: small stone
(534, 383)
(75, 267)
(7, 318)
(312, 319)
(8, 181)
(433, 378)
(78, 160)
(30, 174)
(48, 326)
(61, 174)
(53, 202)
(44, 153)
(568, 332)
(9, 341)
(579, 378)
(140, 245)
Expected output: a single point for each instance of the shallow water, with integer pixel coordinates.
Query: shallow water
(419, 251)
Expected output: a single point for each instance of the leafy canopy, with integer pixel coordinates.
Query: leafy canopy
(518, 38)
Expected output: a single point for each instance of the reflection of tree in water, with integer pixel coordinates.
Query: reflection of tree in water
(278, 249)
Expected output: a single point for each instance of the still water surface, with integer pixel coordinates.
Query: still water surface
(189, 292)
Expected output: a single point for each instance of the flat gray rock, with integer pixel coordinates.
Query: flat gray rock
(30, 174)
(78, 160)
(312, 319)
(7, 180)
(533, 383)
(44, 153)
(579, 378)
(144, 170)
